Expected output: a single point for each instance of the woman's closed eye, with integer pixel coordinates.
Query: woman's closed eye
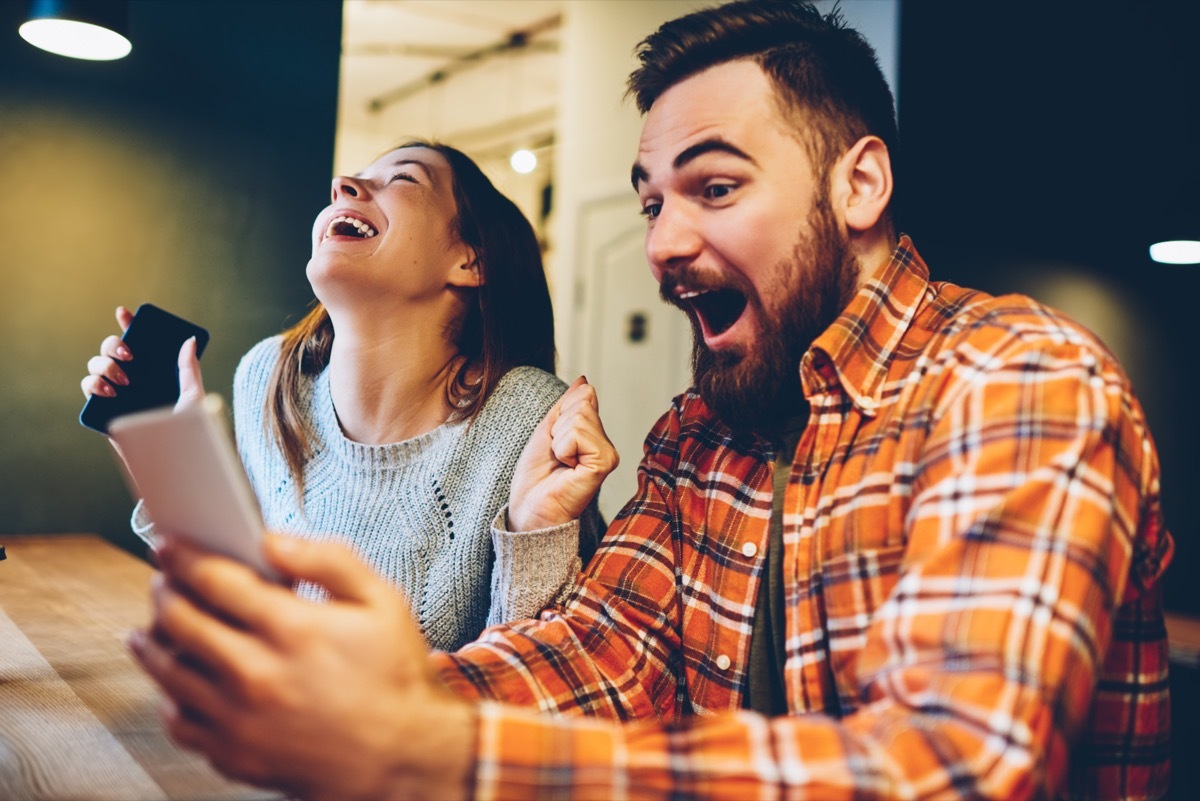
(404, 176)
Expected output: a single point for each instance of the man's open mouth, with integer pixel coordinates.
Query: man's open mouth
(717, 309)
(344, 225)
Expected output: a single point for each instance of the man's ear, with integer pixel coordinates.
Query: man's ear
(862, 184)
(467, 272)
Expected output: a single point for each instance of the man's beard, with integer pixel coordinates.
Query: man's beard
(760, 391)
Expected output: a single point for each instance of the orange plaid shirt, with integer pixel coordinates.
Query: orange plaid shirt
(972, 543)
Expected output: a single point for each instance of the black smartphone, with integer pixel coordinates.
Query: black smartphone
(154, 337)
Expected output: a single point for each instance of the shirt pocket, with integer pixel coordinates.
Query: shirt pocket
(854, 586)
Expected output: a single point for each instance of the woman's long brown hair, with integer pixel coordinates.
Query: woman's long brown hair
(510, 323)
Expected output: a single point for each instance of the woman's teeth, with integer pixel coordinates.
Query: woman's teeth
(349, 226)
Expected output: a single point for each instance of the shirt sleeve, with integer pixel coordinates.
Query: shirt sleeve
(1034, 519)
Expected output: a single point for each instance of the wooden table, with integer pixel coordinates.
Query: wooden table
(78, 717)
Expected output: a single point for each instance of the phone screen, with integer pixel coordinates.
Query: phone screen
(154, 337)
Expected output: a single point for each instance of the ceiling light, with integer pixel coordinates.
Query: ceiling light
(89, 29)
(523, 161)
(1176, 251)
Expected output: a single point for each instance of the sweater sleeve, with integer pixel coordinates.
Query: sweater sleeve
(533, 568)
(141, 524)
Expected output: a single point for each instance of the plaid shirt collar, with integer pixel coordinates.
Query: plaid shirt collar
(856, 351)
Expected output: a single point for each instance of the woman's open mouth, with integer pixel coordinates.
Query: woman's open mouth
(345, 225)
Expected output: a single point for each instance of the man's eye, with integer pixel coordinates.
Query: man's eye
(651, 210)
(717, 191)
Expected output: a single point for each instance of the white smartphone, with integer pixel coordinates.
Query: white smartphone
(183, 466)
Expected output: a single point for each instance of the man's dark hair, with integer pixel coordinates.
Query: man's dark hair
(824, 73)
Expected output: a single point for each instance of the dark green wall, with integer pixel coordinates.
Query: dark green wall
(188, 175)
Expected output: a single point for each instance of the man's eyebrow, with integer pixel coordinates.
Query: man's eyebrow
(689, 154)
(638, 174)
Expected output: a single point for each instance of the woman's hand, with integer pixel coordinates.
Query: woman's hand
(105, 371)
(563, 464)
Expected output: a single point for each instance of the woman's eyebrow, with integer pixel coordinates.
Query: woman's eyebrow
(407, 162)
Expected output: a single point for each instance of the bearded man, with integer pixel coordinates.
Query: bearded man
(902, 539)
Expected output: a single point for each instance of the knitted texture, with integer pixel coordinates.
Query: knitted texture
(419, 511)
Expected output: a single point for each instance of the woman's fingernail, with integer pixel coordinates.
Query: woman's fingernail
(107, 391)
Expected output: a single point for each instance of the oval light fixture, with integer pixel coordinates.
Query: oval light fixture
(523, 161)
(88, 29)
(1176, 251)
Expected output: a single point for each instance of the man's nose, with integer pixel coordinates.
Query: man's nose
(345, 186)
(673, 240)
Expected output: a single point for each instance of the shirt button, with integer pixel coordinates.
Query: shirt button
(868, 405)
(723, 662)
(749, 549)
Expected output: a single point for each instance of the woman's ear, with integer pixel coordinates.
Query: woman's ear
(863, 184)
(467, 272)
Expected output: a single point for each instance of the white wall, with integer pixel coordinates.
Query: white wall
(597, 266)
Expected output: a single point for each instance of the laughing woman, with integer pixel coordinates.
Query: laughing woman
(392, 416)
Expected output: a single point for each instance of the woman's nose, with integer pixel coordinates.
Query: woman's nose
(344, 187)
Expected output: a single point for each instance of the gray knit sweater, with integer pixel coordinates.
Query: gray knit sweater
(419, 511)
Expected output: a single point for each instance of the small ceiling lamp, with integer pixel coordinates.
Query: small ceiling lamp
(523, 161)
(89, 29)
(1176, 251)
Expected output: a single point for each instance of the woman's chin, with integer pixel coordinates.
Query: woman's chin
(333, 286)
(330, 275)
